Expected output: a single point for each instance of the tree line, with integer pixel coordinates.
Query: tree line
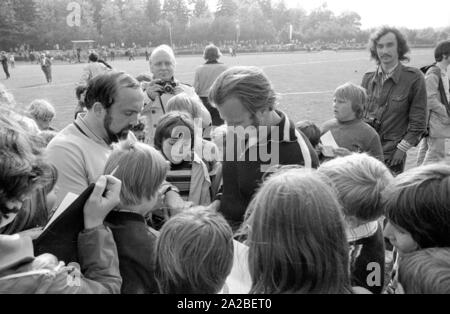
(43, 24)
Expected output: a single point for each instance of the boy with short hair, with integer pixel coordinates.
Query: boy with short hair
(360, 180)
(350, 132)
(194, 253)
(311, 130)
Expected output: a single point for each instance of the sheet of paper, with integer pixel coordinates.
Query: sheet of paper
(69, 199)
(328, 140)
(239, 281)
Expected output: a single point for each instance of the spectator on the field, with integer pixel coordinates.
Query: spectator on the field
(46, 66)
(397, 97)
(4, 62)
(349, 131)
(205, 76)
(163, 87)
(432, 148)
(43, 113)
(94, 68)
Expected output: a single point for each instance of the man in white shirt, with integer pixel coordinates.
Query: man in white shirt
(80, 151)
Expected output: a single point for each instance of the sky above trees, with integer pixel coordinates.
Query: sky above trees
(44, 24)
(417, 13)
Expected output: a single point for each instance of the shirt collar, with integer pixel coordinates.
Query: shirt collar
(286, 131)
(394, 73)
(82, 124)
(442, 68)
(361, 232)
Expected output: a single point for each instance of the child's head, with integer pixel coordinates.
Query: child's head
(359, 180)
(42, 112)
(6, 98)
(174, 136)
(296, 237)
(47, 136)
(417, 206)
(311, 130)
(426, 271)
(349, 101)
(194, 253)
(142, 169)
(80, 93)
(21, 166)
(185, 103)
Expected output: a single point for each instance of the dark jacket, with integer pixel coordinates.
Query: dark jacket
(242, 176)
(371, 250)
(23, 273)
(135, 245)
(404, 116)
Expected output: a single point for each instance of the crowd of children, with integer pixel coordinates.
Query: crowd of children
(305, 230)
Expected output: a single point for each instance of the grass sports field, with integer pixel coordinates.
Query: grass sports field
(304, 81)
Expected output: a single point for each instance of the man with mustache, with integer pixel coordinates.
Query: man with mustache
(397, 97)
(80, 151)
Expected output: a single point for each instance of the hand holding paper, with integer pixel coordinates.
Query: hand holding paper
(328, 145)
(328, 140)
(104, 198)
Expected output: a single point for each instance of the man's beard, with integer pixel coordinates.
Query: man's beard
(114, 137)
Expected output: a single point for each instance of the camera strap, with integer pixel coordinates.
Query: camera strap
(383, 105)
(162, 105)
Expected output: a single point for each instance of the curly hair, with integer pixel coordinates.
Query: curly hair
(402, 44)
(21, 167)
